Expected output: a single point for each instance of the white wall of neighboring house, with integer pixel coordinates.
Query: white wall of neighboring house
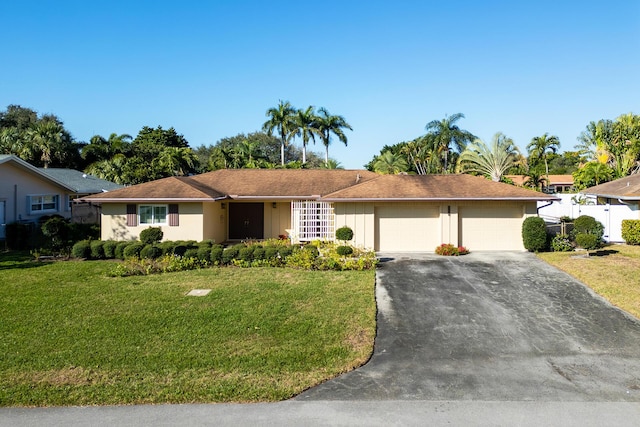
(610, 216)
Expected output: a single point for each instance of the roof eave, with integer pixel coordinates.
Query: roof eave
(612, 196)
(149, 199)
(436, 199)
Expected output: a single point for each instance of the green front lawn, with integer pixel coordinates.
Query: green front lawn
(70, 335)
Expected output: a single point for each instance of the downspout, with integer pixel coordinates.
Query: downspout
(543, 206)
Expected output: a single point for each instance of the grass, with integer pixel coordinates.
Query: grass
(614, 273)
(73, 336)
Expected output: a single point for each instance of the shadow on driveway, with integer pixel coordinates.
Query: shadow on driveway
(491, 326)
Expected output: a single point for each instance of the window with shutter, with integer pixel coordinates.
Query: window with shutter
(173, 216)
(132, 216)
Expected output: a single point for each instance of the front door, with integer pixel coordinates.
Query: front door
(246, 221)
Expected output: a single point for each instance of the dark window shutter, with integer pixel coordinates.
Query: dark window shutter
(132, 216)
(173, 216)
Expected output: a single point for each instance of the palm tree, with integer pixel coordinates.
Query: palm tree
(100, 148)
(47, 137)
(492, 160)
(540, 146)
(280, 118)
(446, 133)
(332, 164)
(328, 124)
(177, 161)
(390, 163)
(306, 126)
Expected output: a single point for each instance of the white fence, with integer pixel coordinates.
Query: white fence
(610, 216)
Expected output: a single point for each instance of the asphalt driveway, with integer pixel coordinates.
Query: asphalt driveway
(493, 327)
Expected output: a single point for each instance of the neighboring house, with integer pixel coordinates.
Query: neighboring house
(557, 183)
(386, 212)
(616, 200)
(28, 192)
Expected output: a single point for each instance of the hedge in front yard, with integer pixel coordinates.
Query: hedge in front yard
(631, 231)
(534, 234)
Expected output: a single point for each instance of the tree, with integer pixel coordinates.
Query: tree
(329, 124)
(100, 148)
(305, 126)
(332, 164)
(176, 161)
(49, 139)
(491, 160)
(445, 134)
(593, 173)
(280, 118)
(540, 146)
(390, 163)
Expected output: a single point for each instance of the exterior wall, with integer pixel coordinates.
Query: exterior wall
(16, 184)
(360, 218)
(114, 223)
(214, 222)
(276, 219)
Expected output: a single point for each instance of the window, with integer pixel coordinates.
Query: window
(44, 203)
(312, 220)
(153, 214)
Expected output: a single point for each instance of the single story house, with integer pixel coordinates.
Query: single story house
(386, 212)
(28, 192)
(557, 183)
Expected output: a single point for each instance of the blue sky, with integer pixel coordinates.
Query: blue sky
(211, 69)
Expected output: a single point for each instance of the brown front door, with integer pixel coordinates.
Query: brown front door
(246, 221)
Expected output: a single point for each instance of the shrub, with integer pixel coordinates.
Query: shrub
(57, 231)
(110, 249)
(631, 231)
(447, 249)
(230, 253)
(534, 234)
(586, 224)
(344, 250)
(191, 253)
(120, 247)
(179, 249)
(132, 250)
(587, 241)
(285, 251)
(81, 249)
(301, 259)
(150, 251)
(97, 249)
(18, 235)
(167, 247)
(215, 256)
(79, 232)
(258, 253)
(151, 235)
(206, 244)
(312, 248)
(203, 253)
(561, 243)
(270, 252)
(245, 253)
(344, 233)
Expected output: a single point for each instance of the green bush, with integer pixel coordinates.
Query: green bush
(587, 241)
(215, 255)
(313, 249)
(206, 244)
(167, 247)
(285, 251)
(191, 253)
(258, 253)
(631, 231)
(301, 259)
(133, 250)
(203, 253)
(344, 250)
(120, 247)
(586, 224)
(245, 253)
(534, 234)
(270, 252)
(180, 249)
(230, 253)
(57, 232)
(344, 233)
(79, 232)
(97, 249)
(150, 251)
(81, 249)
(110, 249)
(561, 243)
(151, 235)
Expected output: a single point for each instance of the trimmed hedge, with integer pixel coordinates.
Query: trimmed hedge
(587, 241)
(151, 235)
(534, 234)
(344, 233)
(631, 231)
(97, 249)
(81, 249)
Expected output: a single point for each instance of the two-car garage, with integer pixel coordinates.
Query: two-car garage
(480, 226)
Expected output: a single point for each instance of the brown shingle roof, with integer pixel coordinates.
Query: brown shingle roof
(626, 188)
(166, 189)
(338, 185)
(435, 187)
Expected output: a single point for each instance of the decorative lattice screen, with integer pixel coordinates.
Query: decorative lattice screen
(312, 220)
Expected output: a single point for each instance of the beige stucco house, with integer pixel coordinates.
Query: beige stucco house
(386, 212)
(27, 192)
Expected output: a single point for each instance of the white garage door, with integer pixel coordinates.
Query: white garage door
(484, 228)
(403, 227)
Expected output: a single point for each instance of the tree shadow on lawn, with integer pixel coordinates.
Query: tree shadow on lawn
(13, 260)
(604, 252)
